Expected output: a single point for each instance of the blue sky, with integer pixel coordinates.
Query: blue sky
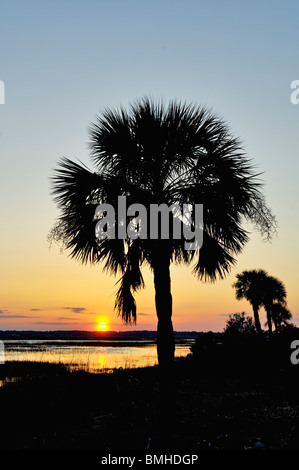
(64, 61)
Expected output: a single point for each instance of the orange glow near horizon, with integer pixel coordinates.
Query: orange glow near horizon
(39, 294)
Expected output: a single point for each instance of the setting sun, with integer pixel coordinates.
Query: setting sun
(102, 324)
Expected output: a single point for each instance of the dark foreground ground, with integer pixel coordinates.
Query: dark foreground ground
(224, 399)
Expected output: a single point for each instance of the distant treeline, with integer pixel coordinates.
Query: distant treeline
(81, 334)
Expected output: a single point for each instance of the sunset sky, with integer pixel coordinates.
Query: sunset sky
(62, 61)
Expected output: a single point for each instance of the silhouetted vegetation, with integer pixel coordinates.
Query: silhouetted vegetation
(241, 349)
(263, 290)
(239, 323)
(281, 316)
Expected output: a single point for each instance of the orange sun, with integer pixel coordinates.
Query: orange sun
(102, 324)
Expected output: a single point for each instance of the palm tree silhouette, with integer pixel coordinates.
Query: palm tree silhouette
(249, 286)
(155, 153)
(280, 315)
(262, 290)
(274, 292)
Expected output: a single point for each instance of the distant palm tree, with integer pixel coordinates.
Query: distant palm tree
(249, 286)
(280, 315)
(274, 292)
(156, 153)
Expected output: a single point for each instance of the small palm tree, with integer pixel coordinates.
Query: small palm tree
(153, 154)
(249, 286)
(280, 315)
(274, 292)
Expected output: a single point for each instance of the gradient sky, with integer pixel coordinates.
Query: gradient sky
(62, 62)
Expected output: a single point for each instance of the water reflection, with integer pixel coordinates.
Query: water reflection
(91, 358)
(101, 361)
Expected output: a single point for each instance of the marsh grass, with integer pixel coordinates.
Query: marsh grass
(90, 358)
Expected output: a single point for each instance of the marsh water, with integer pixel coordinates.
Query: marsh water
(96, 357)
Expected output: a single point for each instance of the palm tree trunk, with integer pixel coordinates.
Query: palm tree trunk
(257, 319)
(163, 300)
(165, 348)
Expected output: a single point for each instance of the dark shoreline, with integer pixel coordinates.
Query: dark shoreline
(100, 343)
(97, 343)
(234, 398)
(90, 335)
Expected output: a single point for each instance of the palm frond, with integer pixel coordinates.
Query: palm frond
(214, 260)
(77, 191)
(130, 282)
(73, 184)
